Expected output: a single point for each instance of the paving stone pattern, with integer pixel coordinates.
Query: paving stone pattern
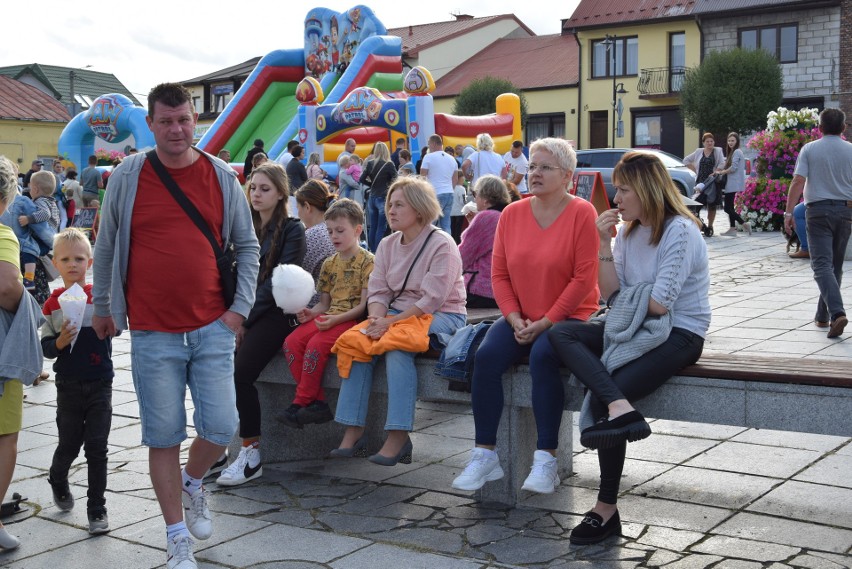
(694, 496)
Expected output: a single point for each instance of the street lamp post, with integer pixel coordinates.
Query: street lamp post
(610, 44)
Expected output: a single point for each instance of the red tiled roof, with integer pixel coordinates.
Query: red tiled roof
(710, 7)
(416, 38)
(529, 63)
(591, 13)
(24, 102)
(602, 12)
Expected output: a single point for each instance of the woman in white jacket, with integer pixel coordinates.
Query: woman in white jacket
(704, 162)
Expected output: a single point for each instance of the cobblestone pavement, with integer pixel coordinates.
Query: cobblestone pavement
(693, 495)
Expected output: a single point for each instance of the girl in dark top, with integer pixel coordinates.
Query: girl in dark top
(282, 241)
(379, 173)
(296, 171)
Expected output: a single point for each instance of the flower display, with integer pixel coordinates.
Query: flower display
(763, 202)
(109, 156)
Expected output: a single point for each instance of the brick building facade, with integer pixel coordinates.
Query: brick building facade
(814, 78)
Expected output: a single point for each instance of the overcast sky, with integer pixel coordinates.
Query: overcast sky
(145, 43)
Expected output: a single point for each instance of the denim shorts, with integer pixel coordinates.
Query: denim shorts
(165, 364)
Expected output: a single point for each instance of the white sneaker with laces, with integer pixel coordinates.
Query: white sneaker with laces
(179, 553)
(543, 477)
(246, 467)
(484, 466)
(198, 519)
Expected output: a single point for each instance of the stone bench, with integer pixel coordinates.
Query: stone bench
(788, 394)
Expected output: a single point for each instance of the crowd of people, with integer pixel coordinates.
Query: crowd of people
(180, 211)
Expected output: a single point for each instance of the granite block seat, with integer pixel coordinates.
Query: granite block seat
(791, 394)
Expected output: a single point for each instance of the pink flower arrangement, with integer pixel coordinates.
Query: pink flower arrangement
(763, 202)
(113, 156)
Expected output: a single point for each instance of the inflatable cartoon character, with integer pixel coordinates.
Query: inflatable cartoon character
(354, 17)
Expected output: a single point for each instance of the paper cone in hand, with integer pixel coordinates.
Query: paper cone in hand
(73, 304)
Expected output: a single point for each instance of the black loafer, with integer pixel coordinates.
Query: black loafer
(593, 530)
(629, 427)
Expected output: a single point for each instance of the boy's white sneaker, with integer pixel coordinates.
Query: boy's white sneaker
(246, 467)
(484, 466)
(543, 477)
(179, 553)
(198, 519)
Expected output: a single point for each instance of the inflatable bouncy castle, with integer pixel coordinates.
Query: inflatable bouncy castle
(346, 82)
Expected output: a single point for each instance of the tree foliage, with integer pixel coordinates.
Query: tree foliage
(732, 91)
(480, 97)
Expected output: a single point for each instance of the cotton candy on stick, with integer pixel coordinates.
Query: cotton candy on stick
(292, 288)
(73, 304)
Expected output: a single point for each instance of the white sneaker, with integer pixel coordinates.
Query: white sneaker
(543, 477)
(218, 466)
(484, 466)
(246, 467)
(179, 553)
(198, 519)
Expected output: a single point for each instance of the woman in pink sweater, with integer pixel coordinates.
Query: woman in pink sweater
(544, 270)
(477, 242)
(417, 271)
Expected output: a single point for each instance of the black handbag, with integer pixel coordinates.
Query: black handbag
(225, 258)
(721, 181)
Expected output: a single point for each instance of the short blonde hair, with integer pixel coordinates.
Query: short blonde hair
(419, 194)
(45, 182)
(70, 236)
(484, 141)
(564, 153)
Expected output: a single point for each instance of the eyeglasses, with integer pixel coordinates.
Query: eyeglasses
(545, 168)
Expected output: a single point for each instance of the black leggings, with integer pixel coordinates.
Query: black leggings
(580, 345)
(260, 344)
(733, 216)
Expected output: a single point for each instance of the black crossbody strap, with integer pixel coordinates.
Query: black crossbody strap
(183, 201)
(408, 274)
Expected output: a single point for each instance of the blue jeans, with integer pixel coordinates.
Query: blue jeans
(446, 201)
(164, 364)
(801, 231)
(376, 222)
(829, 223)
(498, 351)
(354, 396)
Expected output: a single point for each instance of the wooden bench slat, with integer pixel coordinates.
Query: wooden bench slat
(772, 370)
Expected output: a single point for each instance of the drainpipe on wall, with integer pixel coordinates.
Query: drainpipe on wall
(579, 87)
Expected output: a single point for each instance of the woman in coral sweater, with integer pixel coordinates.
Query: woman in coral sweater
(544, 270)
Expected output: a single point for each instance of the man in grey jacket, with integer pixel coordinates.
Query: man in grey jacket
(155, 270)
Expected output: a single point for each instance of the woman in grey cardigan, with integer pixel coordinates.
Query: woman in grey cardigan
(659, 248)
(734, 168)
(704, 162)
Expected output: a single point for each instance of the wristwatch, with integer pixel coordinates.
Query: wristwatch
(788, 214)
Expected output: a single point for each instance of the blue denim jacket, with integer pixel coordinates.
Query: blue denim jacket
(20, 355)
(25, 206)
(456, 360)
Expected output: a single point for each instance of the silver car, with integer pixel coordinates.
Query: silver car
(603, 160)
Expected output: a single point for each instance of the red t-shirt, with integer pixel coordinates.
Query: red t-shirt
(172, 279)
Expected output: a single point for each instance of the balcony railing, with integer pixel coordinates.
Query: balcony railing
(661, 81)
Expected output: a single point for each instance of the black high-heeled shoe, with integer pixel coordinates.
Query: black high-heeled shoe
(358, 450)
(403, 456)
